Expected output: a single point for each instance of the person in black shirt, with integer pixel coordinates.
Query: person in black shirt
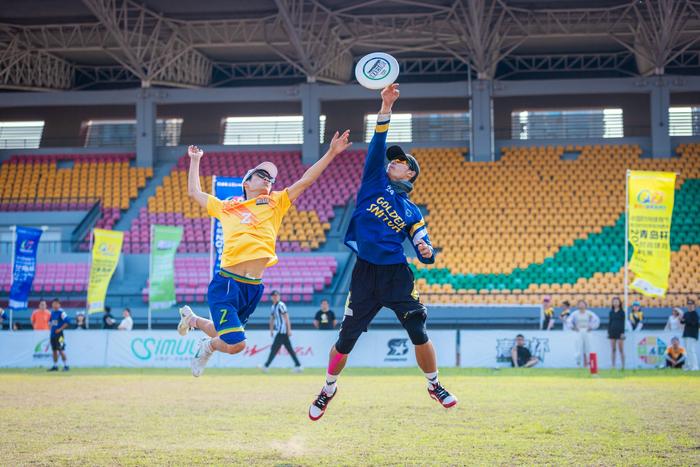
(616, 331)
(564, 315)
(108, 321)
(690, 334)
(325, 318)
(520, 355)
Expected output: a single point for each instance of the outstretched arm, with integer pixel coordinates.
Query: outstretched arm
(376, 151)
(339, 143)
(193, 187)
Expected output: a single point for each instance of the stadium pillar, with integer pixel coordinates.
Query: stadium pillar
(145, 129)
(311, 110)
(660, 134)
(481, 149)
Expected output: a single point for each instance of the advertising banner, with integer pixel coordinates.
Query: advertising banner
(106, 250)
(24, 266)
(164, 242)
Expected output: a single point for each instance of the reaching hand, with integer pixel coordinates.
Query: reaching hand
(194, 152)
(389, 96)
(340, 143)
(424, 249)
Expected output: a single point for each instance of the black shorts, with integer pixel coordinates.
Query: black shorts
(616, 333)
(58, 342)
(374, 286)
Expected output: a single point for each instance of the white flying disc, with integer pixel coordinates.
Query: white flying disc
(376, 70)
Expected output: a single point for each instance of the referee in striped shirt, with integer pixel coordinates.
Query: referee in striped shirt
(280, 324)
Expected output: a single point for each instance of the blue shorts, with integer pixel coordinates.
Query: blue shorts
(232, 299)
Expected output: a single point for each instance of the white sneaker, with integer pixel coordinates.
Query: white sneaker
(201, 357)
(185, 314)
(297, 369)
(264, 368)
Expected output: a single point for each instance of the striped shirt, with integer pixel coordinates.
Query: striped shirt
(278, 311)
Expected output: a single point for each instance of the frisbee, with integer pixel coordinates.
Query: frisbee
(377, 70)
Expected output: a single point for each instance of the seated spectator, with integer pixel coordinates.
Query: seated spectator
(674, 321)
(127, 323)
(40, 317)
(325, 318)
(675, 354)
(520, 355)
(80, 321)
(16, 326)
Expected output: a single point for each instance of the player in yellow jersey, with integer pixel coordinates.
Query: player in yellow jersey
(250, 231)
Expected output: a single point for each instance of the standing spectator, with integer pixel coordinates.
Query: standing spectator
(675, 354)
(40, 317)
(637, 317)
(520, 355)
(674, 321)
(127, 323)
(564, 315)
(583, 322)
(325, 318)
(59, 322)
(548, 311)
(690, 334)
(108, 321)
(4, 319)
(80, 321)
(279, 324)
(616, 331)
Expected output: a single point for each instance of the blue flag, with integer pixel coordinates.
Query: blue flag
(24, 267)
(225, 188)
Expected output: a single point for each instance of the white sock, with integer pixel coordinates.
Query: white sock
(329, 387)
(432, 378)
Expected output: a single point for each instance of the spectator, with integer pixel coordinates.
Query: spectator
(80, 321)
(59, 322)
(16, 326)
(548, 311)
(583, 322)
(4, 318)
(690, 334)
(108, 321)
(40, 317)
(325, 318)
(280, 324)
(674, 321)
(127, 324)
(564, 315)
(675, 354)
(637, 317)
(616, 331)
(520, 355)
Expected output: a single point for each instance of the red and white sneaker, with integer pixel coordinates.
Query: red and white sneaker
(318, 408)
(441, 395)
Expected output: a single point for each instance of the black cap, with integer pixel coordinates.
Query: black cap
(275, 292)
(395, 152)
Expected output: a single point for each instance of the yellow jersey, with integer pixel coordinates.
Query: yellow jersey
(250, 227)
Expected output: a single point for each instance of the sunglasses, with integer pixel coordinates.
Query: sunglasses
(265, 175)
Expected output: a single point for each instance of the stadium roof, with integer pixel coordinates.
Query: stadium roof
(103, 44)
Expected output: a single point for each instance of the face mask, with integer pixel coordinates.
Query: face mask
(402, 186)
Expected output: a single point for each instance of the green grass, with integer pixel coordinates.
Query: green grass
(149, 417)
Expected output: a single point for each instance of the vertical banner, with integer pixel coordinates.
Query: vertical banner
(650, 204)
(106, 248)
(224, 188)
(164, 243)
(24, 266)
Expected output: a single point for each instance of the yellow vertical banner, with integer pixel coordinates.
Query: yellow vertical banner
(106, 248)
(650, 210)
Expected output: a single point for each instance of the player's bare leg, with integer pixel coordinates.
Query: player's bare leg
(427, 361)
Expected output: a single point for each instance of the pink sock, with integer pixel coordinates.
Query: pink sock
(334, 362)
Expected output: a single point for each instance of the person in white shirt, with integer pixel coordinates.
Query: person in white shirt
(583, 321)
(127, 324)
(674, 321)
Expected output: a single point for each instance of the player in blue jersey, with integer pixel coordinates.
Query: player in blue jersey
(59, 321)
(384, 217)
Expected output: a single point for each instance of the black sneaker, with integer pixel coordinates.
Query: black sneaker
(53, 368)
(441, 395)
(318, 408)
(66, 368)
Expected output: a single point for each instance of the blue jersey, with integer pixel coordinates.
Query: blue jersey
(383, 218)
(58, 319)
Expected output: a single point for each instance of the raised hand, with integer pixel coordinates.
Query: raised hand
(194, 152)
(340, 143)
(389, 95)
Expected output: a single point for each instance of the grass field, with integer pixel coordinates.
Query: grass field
(147, 417)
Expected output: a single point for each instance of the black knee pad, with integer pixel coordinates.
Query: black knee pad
(414, 324)
(345, 345)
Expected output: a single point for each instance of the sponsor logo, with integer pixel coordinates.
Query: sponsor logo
(651, 350)
(107, 249)
(538, 346)
(42, 349)
(152, 349)
(228, 184)
(27, 246)
(166, 245)
(301, 351)
(648, 199)
(377, 69)
(398, 350)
